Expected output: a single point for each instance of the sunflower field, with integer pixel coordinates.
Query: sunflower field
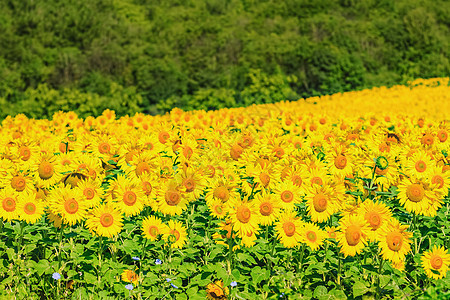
(335, 197)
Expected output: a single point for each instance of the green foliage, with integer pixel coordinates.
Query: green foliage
(201, 54)
(43, 102)
(30, 254)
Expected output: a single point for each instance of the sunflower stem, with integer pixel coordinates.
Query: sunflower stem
(339, 269)
(230, 254)
(170, 259)
(274, 241)
(300, 261)
(61, 232)
(371, 181)
(380, 268)
(143, 249)
(100, 249)
(22, 225)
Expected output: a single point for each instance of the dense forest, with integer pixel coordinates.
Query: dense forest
(153, 55)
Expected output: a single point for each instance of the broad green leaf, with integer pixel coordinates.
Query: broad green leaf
(359, 288)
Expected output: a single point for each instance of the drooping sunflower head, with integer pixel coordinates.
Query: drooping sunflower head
(130, 276)
(217, 290)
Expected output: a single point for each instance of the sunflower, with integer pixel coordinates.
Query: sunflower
(289, 229)
(316, 176)
(263, 176)
(142, 163)
(220, 189)
(217, 291)
(438, 260)
(312, 235)
(29, 208)
(88, 165)
(20, 180)
(68, 203)
(269, 208)
(192, 181)
(399, 265)
(386, 169)
(172, 200)
(218, 209)
(395, 241)
(104, 147)
(224, 232)
(26, 153)
(149, 142)
(152, 227)
(288, 193)
(188, 149)
(9, 200)
(320, 203)
(66, 162)
(377, 214)
(128, 196)
(440, 178)
(57, 221)
(91, 191)
(331, 232)
(150, 186)
(104, 221)
(176, 234)
(248, 239)
(130, 276)
(244, 216)
(47, 170)
(340, 163)
(414, 196)
(419, 165)
(6, 166)
(352, 235)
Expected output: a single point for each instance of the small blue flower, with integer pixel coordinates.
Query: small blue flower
(168, 279)
(158, 261)
(174, 286)
(56, 276)
(233, 283)
(135, 258)
(129, 287)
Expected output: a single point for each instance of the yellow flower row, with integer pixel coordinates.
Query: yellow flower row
(252, 167)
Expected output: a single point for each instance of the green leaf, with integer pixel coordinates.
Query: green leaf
(130, 246)
(43, 266)
(90, 278)
(247, 258)
(215, 252)
(320, 291)
(359, 288)
(338, 294)
(236, 274)
(11, 253)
